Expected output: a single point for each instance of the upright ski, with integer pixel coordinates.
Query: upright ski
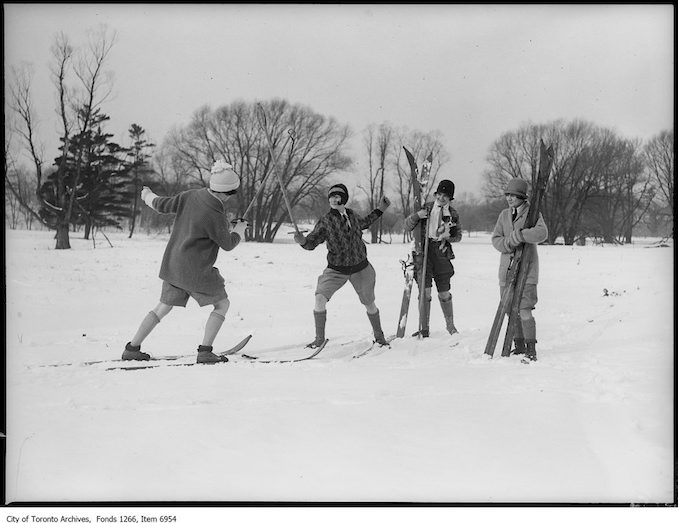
(518, 270)
(538, 190)
(408, 273)
(419, 181)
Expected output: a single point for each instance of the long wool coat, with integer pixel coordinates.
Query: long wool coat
(201, 228)
(530, 236)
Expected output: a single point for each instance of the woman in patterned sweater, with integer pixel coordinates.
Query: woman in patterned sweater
(341, 229)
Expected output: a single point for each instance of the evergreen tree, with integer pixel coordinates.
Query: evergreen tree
(103, 189)
(140, 170)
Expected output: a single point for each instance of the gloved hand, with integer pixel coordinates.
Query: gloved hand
(422, 213)
(239, 228)
(384, 203)
(299, 238)
(147, 195)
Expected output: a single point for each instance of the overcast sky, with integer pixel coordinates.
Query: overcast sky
(472, 72)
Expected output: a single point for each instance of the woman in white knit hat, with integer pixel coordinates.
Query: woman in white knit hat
(201, 227)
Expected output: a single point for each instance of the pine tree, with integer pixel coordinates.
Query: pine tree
(140, 169)
(103, 189)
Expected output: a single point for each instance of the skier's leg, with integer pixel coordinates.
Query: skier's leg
(320, 320)
(215, 321)
(445, 299)
(329, 282)
(212, 327)
(364, 282)
(527, 321)
(320, 303)
(518, 338)
(133, 348)
(425, 314)
(375, 321)
(149, 322)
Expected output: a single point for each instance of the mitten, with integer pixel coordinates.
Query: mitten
(384, 203)
(147, 195)
(239, 228)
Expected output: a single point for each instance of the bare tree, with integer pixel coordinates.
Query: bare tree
(622, 193)
(596, 189)
(659, 157)
(233, 133)
(378, 144)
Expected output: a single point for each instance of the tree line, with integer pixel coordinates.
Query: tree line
(602, 186)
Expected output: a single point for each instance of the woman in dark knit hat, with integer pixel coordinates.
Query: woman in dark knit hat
(341, 228)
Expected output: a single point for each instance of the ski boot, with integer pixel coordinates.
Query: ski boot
(132, 353)
(426, 314)
(315, 344)
(205, 355)
(530, 351)
(382, 341)
(519, 344)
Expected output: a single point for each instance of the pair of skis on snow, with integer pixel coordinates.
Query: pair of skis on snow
(157, 362)
(235, 350)
(230, 352)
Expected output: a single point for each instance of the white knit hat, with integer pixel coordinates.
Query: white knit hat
(223, 177)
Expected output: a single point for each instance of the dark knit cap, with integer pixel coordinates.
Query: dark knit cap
(446, 187)
(341, 190)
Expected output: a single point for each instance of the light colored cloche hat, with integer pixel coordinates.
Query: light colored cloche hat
(517, 186)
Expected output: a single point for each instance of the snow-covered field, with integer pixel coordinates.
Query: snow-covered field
(591, 422)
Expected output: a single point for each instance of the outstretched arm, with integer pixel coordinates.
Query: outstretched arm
(314, 238)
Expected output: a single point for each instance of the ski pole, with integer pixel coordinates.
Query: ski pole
(290, 136)
(262, 124)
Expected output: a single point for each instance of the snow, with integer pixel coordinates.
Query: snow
(428, 421)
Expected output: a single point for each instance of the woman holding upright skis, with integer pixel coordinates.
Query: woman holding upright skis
(508, 234)
(342, 229)
(440, 222)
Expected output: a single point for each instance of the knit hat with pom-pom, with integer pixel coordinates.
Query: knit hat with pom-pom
(223, 178)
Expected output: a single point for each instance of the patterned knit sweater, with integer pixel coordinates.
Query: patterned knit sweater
(346, 251)
(200, 228)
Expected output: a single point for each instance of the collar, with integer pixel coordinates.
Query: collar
(338, 213)
(211, 200)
